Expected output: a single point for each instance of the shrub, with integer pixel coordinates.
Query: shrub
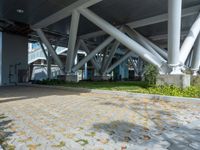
(150, 74)
(175, 91)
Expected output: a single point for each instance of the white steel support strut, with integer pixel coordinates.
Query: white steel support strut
(140, 39)
(50, 49)
(72, 41)
(190, 40)
(174, 33)
(121, 60)
(154, 46)
(43, 50)
(93, 53)
(122, 38)
(196, 57)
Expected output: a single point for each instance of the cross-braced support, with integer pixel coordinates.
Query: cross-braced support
(93, 61)
(110, 57)
(124, 39)
(93, 53)
(121, 60)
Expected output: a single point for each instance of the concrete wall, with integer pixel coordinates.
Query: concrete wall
(0, 58)
(14, 60)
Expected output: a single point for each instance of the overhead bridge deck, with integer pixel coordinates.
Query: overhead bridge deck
(161, 32)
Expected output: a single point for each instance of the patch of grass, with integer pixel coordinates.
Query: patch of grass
(2, 116)
(91, 134)
(82, 142)
(134, 87)
(61, 144)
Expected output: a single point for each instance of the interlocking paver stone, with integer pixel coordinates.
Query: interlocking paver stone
(45, 119)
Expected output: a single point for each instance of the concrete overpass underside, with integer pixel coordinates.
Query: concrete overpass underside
(164, 33)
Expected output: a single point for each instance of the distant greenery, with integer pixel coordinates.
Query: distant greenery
(133, 86)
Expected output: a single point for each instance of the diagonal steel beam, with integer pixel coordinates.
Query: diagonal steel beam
(64, 13)
(124, 39)
(43, 49)
(140, 39)
(121, 60)
(196, 57)
(72, 41)
(50, 49)
(190, 40)
(93, 53)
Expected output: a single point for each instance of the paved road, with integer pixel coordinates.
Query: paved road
(38, 118)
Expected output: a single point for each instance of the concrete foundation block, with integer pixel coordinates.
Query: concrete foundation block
(195, 80)
(72, 78)
(181, 81)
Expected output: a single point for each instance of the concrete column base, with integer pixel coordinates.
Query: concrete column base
(101, 78)
(181, 81)
(72, 78)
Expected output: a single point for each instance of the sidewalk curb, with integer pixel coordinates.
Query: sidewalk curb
(119, 93)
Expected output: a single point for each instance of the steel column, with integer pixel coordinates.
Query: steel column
(174, 32)
(72, 41)
(196, 56)
(190, 40)
(122, 38)
(93, 53)
(50, 49)
(49, 61)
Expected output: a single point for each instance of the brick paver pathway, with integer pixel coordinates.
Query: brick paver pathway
(48, 119)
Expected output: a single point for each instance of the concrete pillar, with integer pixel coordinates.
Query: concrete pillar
(1, 58)
(196, 57)
(174, 34)
(13, 59)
